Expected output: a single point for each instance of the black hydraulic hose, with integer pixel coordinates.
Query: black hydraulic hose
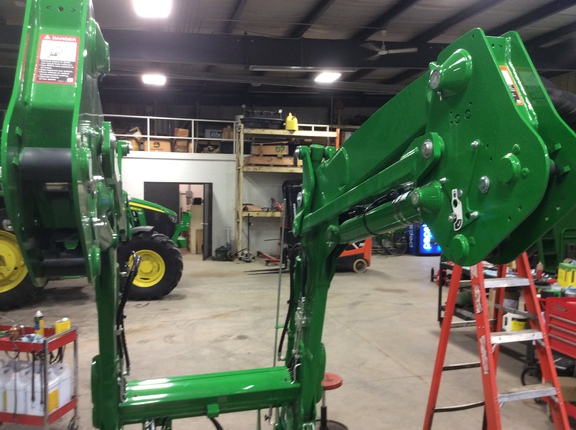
(120, 316)
(296, 249)
(216, 424)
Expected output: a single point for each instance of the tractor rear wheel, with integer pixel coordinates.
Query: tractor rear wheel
(160, 265)
(16, 287)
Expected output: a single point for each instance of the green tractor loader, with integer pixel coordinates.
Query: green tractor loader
(156, 237)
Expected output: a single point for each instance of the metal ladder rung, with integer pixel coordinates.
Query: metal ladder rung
(505, 282)
(498, 282)
(499, 337)
(459, 407)
(460, 366)
(527, 392)
(461, 324)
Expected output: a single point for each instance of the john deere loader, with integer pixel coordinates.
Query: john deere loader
(156, 237)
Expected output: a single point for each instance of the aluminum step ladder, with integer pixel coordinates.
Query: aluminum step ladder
(489, 336)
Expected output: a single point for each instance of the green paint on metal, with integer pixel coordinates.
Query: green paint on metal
(209, 394)
(493, 129)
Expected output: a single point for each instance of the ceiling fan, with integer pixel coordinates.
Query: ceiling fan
(382, 50)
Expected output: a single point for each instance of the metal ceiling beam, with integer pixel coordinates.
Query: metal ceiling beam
(315, 13)
(284, 81)
(240, 4)
(532, 16)
(406, 74)
(239, 50)
(551, 36)
(441, 27)
(382, 21)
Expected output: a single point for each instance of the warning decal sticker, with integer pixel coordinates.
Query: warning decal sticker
(511, 85)
(57, 59)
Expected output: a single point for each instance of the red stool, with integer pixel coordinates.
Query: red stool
(331, 381)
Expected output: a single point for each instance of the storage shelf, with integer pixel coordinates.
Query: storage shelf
(272, 169)
(307, 134)
(297, 133)
(262, 214)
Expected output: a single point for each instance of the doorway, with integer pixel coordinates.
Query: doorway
(190, 197)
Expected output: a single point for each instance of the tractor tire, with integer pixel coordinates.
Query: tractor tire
(160, 265)
(16, 287)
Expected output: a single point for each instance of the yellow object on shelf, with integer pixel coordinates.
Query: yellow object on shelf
(291, 122)
(62, 325)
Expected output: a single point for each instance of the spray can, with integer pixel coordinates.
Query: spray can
(39, 323)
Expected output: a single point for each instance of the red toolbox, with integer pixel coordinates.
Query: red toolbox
(560, 314)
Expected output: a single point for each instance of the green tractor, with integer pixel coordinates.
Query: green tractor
(156, 237)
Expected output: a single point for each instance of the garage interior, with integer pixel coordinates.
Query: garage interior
(220, 140)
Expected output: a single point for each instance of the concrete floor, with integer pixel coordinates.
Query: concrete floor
(380, 334)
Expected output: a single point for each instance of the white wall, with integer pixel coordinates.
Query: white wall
(218, 169)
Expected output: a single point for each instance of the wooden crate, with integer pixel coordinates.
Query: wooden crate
(261, 160)
(278, 149)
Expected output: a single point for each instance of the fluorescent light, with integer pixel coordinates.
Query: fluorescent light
(152, 8)
(299, 69)
(154, 79)
(327, 77)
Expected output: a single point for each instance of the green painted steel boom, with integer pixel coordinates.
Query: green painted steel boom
(474, 148)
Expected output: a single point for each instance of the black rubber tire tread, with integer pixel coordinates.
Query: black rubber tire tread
(18, 296)
(163, 246)
(24, 292)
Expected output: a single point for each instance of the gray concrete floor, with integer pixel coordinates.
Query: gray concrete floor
(380, 334)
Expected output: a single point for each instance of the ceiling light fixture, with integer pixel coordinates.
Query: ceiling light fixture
(152, 8)
(327, 77)
(299, 69)
(154, 79)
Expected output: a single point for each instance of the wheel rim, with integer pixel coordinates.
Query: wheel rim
(12, 267)
(151, 270)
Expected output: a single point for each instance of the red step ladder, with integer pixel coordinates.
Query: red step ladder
(489, 337)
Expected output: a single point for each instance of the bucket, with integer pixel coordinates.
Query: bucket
(513, 322)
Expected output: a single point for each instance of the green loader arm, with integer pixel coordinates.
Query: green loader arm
(473, 148)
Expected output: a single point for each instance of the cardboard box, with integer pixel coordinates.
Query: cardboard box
(228, 133)
(181, 132)
(199, 240)
(136, 139)
(568, 388)
(159, 145)
(181, 145)
(270, 149)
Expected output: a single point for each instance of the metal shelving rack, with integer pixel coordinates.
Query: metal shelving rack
(52, 342)
(305, 131)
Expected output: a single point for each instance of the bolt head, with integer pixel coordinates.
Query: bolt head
(484, 184)
(299, 199)
(434, 79)
(427, 148)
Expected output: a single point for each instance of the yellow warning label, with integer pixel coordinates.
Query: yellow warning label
(53, 401)
(511, 85)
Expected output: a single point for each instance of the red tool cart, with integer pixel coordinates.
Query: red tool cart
(560, 315)
(48, 407)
